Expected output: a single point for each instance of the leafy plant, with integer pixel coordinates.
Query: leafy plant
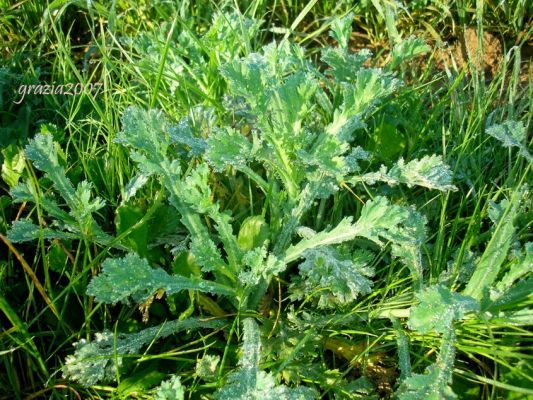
(294, 139)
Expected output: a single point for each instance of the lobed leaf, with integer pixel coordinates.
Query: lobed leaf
(248, 382)
(171, 389)
(336, 279)
(435, 383)
(132, 279)
(430, 172)
(511, 134)
(97, 361)
(438, 308)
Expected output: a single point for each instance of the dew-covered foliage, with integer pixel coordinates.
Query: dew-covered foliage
(260, 244)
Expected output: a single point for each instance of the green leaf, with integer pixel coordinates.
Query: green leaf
(97, 361)
(140, 381)
(520, 268)
(511, 134)
(182, 134)
(249, 382)
(341, 30)
(25, 231)
(435, 383)
(407, 49)
(132, 279)
(249, 78)
(228, 147)
(253, 233)
(336, 279)
(43, 152)
(438, 308)
(126, 217)
(430, 172)
(136, 183)
(289, 103)
(13, 165)
(171, 389)
(379, 219)
(259, 265)
(206, 367)
(489, 264)
(344, 65)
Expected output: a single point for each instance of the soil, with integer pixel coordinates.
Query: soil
(462, 49)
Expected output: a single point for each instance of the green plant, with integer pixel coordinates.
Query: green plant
(257, 201)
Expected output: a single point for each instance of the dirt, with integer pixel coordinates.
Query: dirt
(458, 53)
(468, 48)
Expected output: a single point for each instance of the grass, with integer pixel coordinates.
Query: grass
(44, 305)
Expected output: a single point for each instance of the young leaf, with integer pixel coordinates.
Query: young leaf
(206, 367)
(344, 65)
(438, 308)
(429, 171)
(13, 165)
(259, 266)
(511, 134)
(24, 231)
(98, 360)
(435, 383)
(341, 30)
(132, 279)
(253, 233)
(228, 148)
(249, 382)
(379, 219)
(44, 153)
(408, 49)
(171, 389)
(336, 279)
(403, 350)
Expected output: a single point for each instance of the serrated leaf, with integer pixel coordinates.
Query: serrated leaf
(250, 383)
(435, 383)
(341, 29)
(182, 134)
(171, 389)
(147, 132)
(511, 134)
(227, 147)
(438, 308)
(45, 153)
(429, 171)
(336, 279)
(25, 231)
(42, 151)
(96, 361)
(206, 367)
(289, 103)
(379, 219)
(408, 49)
(136, 183)
(344, 65)
(248, 78)
(258, 264)
(131, 279)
